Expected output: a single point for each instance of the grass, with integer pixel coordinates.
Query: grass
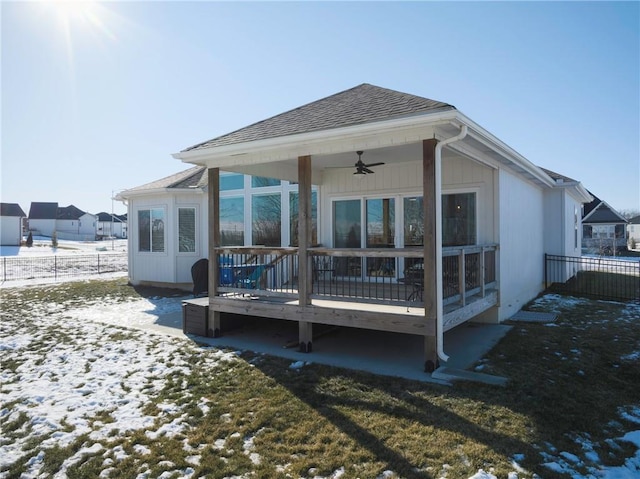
(568, 383)
(603, 285)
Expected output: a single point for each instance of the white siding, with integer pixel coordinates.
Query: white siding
(521, 223)
(458, 175)
(10, 230)
(42, 227)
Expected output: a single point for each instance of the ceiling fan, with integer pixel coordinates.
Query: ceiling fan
(362, 168)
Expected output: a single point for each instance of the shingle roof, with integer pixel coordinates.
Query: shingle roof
(635, 220)
(107, 217)
(193, 177)
(558, 176)
(11, 209)
(70, 213)
(362, 104)
(43, 211)
(600, 212)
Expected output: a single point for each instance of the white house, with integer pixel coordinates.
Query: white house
(357, 206)
(11, 216)
(633, 233)
(74, 224)
(42, 218)
(109, 225)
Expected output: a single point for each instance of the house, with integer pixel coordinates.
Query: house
(633, 233)
(11, 216)
(42, 218)
(111, 225)
(74, 224)
(604, 229)
(370, 209)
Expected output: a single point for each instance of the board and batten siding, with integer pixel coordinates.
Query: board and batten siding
(10, 230)
(521, 224)
(458, 175)
(152, 267)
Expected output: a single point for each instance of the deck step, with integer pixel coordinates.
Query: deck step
(453, 374)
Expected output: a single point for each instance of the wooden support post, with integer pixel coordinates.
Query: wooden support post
(304, 238)
(213, 178)
(430, 293)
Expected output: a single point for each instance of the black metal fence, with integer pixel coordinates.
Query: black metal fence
(605, 278)
(61, 266)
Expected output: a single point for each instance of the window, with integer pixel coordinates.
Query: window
(151, 230)
(234, 181)
(187, 230)
(293, 217)
(459, 219)
(232, 221)
(266, 221)
(261, 181)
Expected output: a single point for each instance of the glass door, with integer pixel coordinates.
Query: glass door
(413, 235)
(347, 233)
(381, 233)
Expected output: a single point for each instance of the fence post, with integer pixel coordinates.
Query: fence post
(55, 267)
(98, 264)
(4, 268)
(545, 271)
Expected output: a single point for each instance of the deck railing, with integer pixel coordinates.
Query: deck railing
(376, 275)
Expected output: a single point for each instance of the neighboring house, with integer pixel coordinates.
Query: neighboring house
(74, 224)
(42, 218)
(429, 231)
(111, 225)
(603, 228)
(11, 216)
(633, 233)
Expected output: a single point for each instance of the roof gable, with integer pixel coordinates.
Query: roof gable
(362, 104)
(599, 211)
(70, 213)
(43, 211)
(11, 209)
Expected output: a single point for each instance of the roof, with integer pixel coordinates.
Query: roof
(108, 217)
(557, 176)
(362, 104)
(11, 209)
(192, 178)
(635, 220)
(43, 211)
(70, 213)
(599, 211)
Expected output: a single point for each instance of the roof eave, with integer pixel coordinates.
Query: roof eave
(309, 143)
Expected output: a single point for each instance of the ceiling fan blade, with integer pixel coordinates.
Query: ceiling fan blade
(374, 164)
(367, 170)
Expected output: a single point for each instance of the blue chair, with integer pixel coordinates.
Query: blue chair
(226, 271)
(252, 279)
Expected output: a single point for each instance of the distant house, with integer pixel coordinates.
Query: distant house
(603, 228)
(11, 216)
(74, 224)
(633, 233)
(42, 218)
(109, 225)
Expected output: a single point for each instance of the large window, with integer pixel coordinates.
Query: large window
(232, 181)
(151, 230)
(459, 219)
(261, 181)
(232, 221)
(293, 217)
(266, 220)
(187, 230)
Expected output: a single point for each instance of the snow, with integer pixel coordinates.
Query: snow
(85, 378)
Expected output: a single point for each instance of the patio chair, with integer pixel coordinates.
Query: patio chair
(252, 279)
(200, 276)
(226, 271)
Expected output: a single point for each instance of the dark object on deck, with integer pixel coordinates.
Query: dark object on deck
(200, 276)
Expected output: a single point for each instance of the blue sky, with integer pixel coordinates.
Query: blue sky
(95, 98)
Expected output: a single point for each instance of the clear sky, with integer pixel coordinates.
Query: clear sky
(97, 96)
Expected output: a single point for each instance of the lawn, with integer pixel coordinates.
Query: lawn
(85, 399)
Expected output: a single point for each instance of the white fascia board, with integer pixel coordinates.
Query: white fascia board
(128, 194)
(312, 143)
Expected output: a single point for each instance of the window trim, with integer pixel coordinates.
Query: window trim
(150, 208)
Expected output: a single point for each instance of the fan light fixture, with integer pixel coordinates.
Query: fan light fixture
(361, 168)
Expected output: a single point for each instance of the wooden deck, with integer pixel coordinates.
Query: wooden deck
(408, 319)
